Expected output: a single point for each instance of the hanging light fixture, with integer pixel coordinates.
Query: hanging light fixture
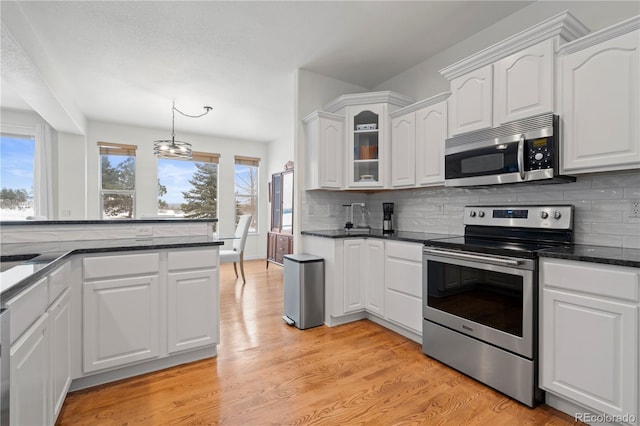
(171, 148)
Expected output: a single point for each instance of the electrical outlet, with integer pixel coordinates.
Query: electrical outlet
(66, 213)
(144, 231)
(634, 211)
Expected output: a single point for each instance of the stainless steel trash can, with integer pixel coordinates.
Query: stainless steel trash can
(303, 290)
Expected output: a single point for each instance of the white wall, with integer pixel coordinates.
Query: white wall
(424, 80)
(146, 174)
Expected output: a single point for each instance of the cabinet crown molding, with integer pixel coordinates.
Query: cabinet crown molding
(385, 96)
(564, 25)
(601, 36)
(322, 114)
(421, 104)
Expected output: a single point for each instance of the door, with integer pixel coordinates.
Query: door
(373, 267)
(431, 132)
(354, 295)
(60, 324)
(403, 150)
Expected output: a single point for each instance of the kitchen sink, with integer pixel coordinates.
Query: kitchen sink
(8, 262)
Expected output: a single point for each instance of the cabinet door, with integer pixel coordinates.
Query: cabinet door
(403, 150)
(354, 299)
(60, 332)
(331, 159)
(192, 310)
(431, 132)
(276, 202)
(471, 101)
(600, 95)
(524, 83)
(366, 130)
(590, 351)
(121, 321)
(373, 275)
(29, 384)
(271, 246)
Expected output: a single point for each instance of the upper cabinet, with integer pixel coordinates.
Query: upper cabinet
(324, 134)
(523, 83)
(510, 80)
(472, 101)
(599, 100)
(418, 133)
(348, 145)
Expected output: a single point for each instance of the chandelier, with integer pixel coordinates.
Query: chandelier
(171, 148)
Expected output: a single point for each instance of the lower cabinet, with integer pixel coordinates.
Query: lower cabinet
(121, 321)
(30, 367)
(403, 293)
(354, 286)
(192, 310)
(373, 267)
(60, 331)
(589, 335)
(40, 355)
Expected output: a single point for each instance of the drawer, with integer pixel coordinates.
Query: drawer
(406, 251)
(604, 280)
(404, 309)
(127, 264)
(59, 281)
(26, 307)
(193, 259)
(404, 276)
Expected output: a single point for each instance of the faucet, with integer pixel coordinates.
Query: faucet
(350, 224)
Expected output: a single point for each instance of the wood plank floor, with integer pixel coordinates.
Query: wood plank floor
(269, 373)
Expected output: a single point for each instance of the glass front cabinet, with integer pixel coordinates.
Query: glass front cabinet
(367, 146)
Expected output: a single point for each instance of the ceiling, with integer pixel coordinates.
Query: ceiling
(125, 61)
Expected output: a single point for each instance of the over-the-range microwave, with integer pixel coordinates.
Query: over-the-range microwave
(520, 151)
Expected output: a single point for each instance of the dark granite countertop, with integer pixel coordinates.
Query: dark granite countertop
(27, 272)
(102, 222)
(596, 254)
(414, 237)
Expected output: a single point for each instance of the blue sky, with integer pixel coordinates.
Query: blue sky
(16, 162)
(175, 176)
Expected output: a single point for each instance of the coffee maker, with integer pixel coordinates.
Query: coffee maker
(387, 218)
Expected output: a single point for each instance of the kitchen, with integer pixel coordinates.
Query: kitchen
(439, 209)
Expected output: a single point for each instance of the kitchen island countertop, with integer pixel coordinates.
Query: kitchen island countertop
(596, 254)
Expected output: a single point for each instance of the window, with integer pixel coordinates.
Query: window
(189, 188)
(246, 189)
(117, 180)
(16, 175)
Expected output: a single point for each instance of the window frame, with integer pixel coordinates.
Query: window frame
(117, 149)
(240, 160)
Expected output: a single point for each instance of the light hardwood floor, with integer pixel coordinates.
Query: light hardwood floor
(269, 373)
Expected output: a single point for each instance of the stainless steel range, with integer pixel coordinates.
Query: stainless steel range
(480, 294)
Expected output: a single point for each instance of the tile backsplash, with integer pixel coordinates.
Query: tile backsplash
(602, 207)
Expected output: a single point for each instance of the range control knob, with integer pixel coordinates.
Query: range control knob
(544, 214)
(539, 156)
(472, 213)
(481, 213)
(557, 215)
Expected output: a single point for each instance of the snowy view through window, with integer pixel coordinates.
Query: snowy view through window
(16, 176)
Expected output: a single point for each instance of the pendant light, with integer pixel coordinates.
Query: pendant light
(171, 148)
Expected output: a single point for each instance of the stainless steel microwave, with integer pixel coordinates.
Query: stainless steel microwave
(521, 151)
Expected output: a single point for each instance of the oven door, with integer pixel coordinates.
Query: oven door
(490, 298)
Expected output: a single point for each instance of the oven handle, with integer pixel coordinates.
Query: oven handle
(521, 157)
(467, 256)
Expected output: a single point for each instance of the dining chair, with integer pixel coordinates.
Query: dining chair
(236, 255)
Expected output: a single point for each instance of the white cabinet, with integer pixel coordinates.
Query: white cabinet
(599, 100)
(30, 378)
(523, 83)
(367, 148)
(60, 332)
(417, 143)
(324, 135)
(403, 278)
(354, 290)
(403, 150)
(471, 102)
(121, 310)
(192, 314)
(589, 334)
(373, 275)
